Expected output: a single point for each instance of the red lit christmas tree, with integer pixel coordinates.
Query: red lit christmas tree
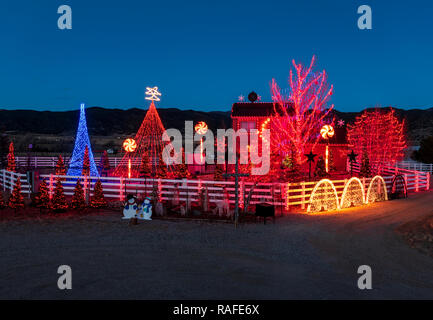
(161, 170)
(43, 197)
(380, 134)
(60, 167)
(16, 200)
(218, 174)
(182, 168)
(86, 163)
(145, 167)
(149, 142)
(98, 200)
(78, 202)
(2, 201)
(105, 163)
(58, 202)
(11, 159)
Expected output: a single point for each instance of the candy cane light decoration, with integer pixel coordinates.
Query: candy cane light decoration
(129, 145)
(327, 132)
(201, 128)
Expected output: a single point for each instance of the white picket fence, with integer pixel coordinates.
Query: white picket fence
(415, 180)
(416, 166)
(50, 162)
(8, 180)
(284, 195)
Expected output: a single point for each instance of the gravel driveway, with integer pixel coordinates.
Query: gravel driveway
(298, 257)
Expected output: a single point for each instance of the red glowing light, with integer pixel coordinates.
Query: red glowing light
(300, 114)
(380, 135)
(149, 146)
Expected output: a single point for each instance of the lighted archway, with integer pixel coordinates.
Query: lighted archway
(353, 194)
(323, 197)
(398, 187)
(377, 190)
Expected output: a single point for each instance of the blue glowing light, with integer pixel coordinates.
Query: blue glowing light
(81, 141)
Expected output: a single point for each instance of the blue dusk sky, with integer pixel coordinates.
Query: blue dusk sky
(204, 54)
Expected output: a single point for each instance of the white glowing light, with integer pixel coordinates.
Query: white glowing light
(327, 131)
(152, 94)
(324, 196)
(353, 193)
(374, 192)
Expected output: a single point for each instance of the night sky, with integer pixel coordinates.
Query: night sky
(204, 54)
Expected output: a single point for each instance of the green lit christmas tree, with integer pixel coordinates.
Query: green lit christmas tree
(320, 170)
(365, 166)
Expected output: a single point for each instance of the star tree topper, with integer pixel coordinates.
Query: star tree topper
(152, 94)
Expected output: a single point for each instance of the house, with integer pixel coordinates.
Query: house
(258, 115)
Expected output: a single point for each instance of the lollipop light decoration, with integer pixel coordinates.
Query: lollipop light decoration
(129, 145)
(201, 128)
(327, 132)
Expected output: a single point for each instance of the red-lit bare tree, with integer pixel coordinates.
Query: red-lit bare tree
(301, 113)
(380, 135)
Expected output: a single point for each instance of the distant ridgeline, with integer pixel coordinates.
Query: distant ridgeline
(103, 122)
(109, 122)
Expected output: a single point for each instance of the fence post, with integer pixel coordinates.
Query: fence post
(416, 182)
(87, 183)
(287, 195)
(303, 195)
(51, 186)
(427, 187)
(121, 189)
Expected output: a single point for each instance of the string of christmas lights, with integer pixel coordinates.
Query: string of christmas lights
(300, 114)
(149, 145)
(380, 135)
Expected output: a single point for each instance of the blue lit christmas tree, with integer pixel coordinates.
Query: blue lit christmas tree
(81, 141)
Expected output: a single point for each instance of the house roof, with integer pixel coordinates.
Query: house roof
(253, 109)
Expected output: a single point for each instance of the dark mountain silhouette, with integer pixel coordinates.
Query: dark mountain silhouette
(103, 122)
(108, 122)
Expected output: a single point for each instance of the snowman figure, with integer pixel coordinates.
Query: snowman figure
(146, 210)
(130, 208)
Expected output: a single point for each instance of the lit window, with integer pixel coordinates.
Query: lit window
(248, 125)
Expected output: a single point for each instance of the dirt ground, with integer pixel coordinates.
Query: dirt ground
(298, 257)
